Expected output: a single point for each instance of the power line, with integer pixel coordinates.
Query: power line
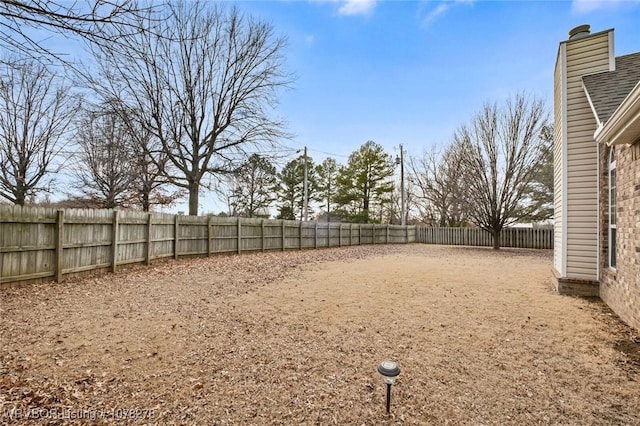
(316, 150)
(329, 153)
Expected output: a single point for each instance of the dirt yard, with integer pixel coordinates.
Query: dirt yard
(295, 338)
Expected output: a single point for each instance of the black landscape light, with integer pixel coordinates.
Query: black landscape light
(389, 371)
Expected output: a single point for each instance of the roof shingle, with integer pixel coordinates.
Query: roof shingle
(608, 89)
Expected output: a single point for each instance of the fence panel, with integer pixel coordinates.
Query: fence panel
(87, 240)
(224, 238)
(308, 234)
(28, 243)
(162, 236)
(251, 234)
(292, 234)
(540, 238)
(132, 237)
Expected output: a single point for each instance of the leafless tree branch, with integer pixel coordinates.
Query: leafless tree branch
(205, 88)
(502, 148)
(92, 21)
(35, 116)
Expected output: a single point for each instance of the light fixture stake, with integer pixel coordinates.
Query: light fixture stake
(389, 370)
(388, 397)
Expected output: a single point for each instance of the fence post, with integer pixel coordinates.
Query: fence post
(209, 229)
(386, 238)
(114, 241)
(300, 235)
(59, 244)
(283, 233)
(340, 235)
(373, 238)
(262, 233)
(149, 220)
(406, 234)
(176, 234)
(239, 229)
(316, 235)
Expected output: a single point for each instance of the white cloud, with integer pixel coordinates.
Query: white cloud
(582, 7)
(441, 9)
(357, 7)
(438, 11)
(351, 7)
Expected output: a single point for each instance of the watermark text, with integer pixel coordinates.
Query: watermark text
(77, 414)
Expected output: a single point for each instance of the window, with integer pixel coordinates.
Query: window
(635, 150)
(612, 208)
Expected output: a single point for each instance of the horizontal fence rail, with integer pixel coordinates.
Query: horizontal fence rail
(46, 244)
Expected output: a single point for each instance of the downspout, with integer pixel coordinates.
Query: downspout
(599, 216)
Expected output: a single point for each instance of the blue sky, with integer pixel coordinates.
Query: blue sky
(410, 72)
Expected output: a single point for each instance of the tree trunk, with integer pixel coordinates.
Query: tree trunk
(496, 238)
(194, 192)
(365, 206)
(146, 203)
(110, 202)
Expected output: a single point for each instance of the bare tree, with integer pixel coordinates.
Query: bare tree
(501, 148)
(35, 114)
(149, 185)
(204, 87)
(440, 185)
(105, 170)
(150, 165)
(86, 20)
(391, 210)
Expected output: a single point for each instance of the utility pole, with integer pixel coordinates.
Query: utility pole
(305, 197)
(403, 219)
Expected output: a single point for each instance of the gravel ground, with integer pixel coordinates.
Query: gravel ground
(295, 338)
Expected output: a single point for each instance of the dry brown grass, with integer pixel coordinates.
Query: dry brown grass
(295, 338)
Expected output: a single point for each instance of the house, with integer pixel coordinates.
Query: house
(597, 172)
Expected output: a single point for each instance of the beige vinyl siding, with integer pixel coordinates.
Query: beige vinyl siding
(585, 56)
(557, 165)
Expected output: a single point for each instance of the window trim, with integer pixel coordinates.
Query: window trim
(612, 218)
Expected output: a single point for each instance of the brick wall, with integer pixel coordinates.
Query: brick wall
(620, 288)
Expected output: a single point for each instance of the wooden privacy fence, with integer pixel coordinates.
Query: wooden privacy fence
(41, 243)
(540, 238)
